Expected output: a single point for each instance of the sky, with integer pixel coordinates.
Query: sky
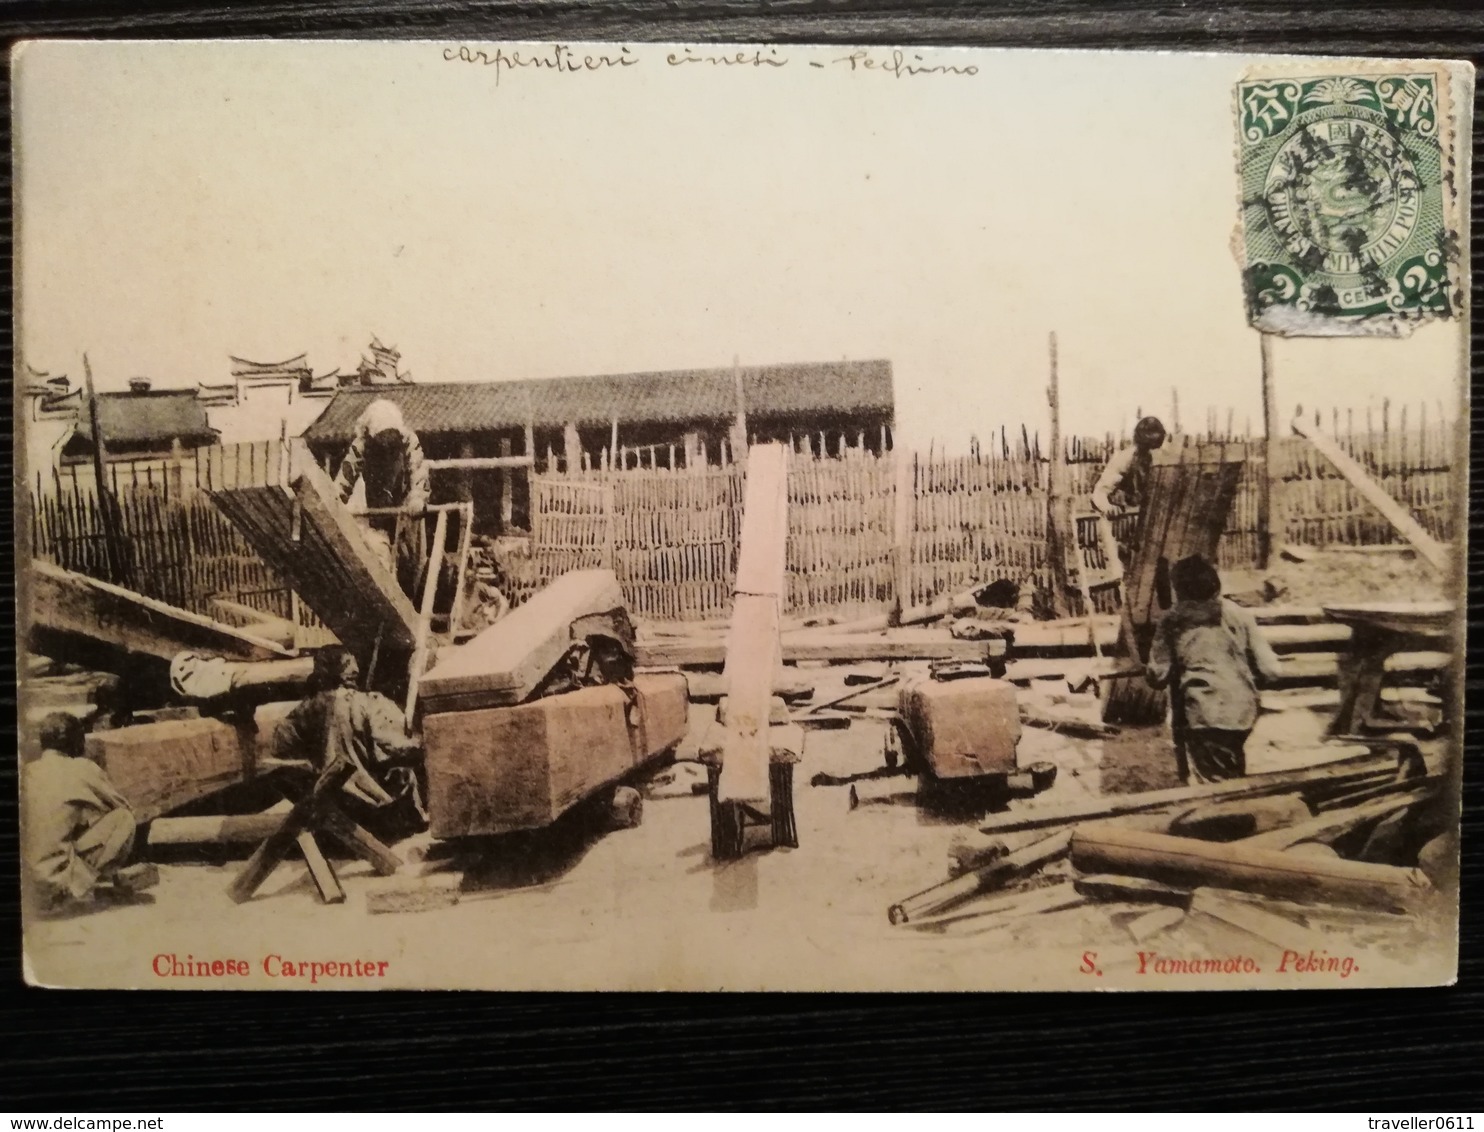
(178, 203)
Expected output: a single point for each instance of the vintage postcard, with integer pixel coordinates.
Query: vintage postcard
(738, 517)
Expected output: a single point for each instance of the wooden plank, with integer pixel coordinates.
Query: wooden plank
(1189, 496)
(79, 606)
(1376, 495)
(1332, 775)
(320, 870)
(503, 664)
(1335, 823)
(291, 514)
(754, 647)
(161, 766)
(425, 616)
(841, 649)
(480, 463)
(1104, 847)
(506, 768)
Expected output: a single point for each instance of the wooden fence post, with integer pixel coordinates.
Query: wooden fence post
(1272, 518)
(902, 529)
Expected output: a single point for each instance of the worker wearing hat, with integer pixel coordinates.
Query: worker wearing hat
(1123, 486)
(386, 459)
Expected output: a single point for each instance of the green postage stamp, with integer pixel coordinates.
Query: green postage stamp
(1349, 201)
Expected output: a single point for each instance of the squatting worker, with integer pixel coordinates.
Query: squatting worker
(386, 458)
(1124, 486)
(339, 723)
(1209, 653)
(77, 830)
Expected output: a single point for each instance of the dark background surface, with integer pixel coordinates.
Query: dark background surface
(1387, 1052)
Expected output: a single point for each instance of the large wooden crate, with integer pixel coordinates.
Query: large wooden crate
(963, 728)
(500, 769)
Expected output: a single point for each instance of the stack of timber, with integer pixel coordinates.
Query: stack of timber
(1340, 838)
(290, 512)
(503, 665)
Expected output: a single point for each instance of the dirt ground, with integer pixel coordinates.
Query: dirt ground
(580, 907)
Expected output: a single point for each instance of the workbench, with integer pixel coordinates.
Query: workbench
(1380, 630)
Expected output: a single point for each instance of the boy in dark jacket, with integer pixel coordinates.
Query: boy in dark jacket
(1210, 654)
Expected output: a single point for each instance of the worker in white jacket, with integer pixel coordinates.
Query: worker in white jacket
(1124, 485)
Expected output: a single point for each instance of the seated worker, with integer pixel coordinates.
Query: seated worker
(1210, 654)
(77, 830)
(340, 723)
(386, 458)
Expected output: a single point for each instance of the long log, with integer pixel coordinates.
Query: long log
(1184, 862)
(1376, 495)
(941, 897)
(228, 829)
(1331, 775)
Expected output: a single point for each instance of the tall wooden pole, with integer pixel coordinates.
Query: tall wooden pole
(105, 510)
(1061, 539)
(1271, 516)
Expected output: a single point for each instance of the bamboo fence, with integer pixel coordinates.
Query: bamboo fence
(670, 533)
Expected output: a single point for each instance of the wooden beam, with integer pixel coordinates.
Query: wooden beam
(161, 766)
(1104, 847)
(754, 651)
(504, 663)
(1376, 495)
(841, 649)
(228, 829)
(1332, 775)
(82, 607)
(495, 770)
(1335, 823)
(480, 463)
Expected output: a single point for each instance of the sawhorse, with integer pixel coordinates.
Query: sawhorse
(316, 811)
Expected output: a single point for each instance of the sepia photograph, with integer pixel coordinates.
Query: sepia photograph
(760, 517)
